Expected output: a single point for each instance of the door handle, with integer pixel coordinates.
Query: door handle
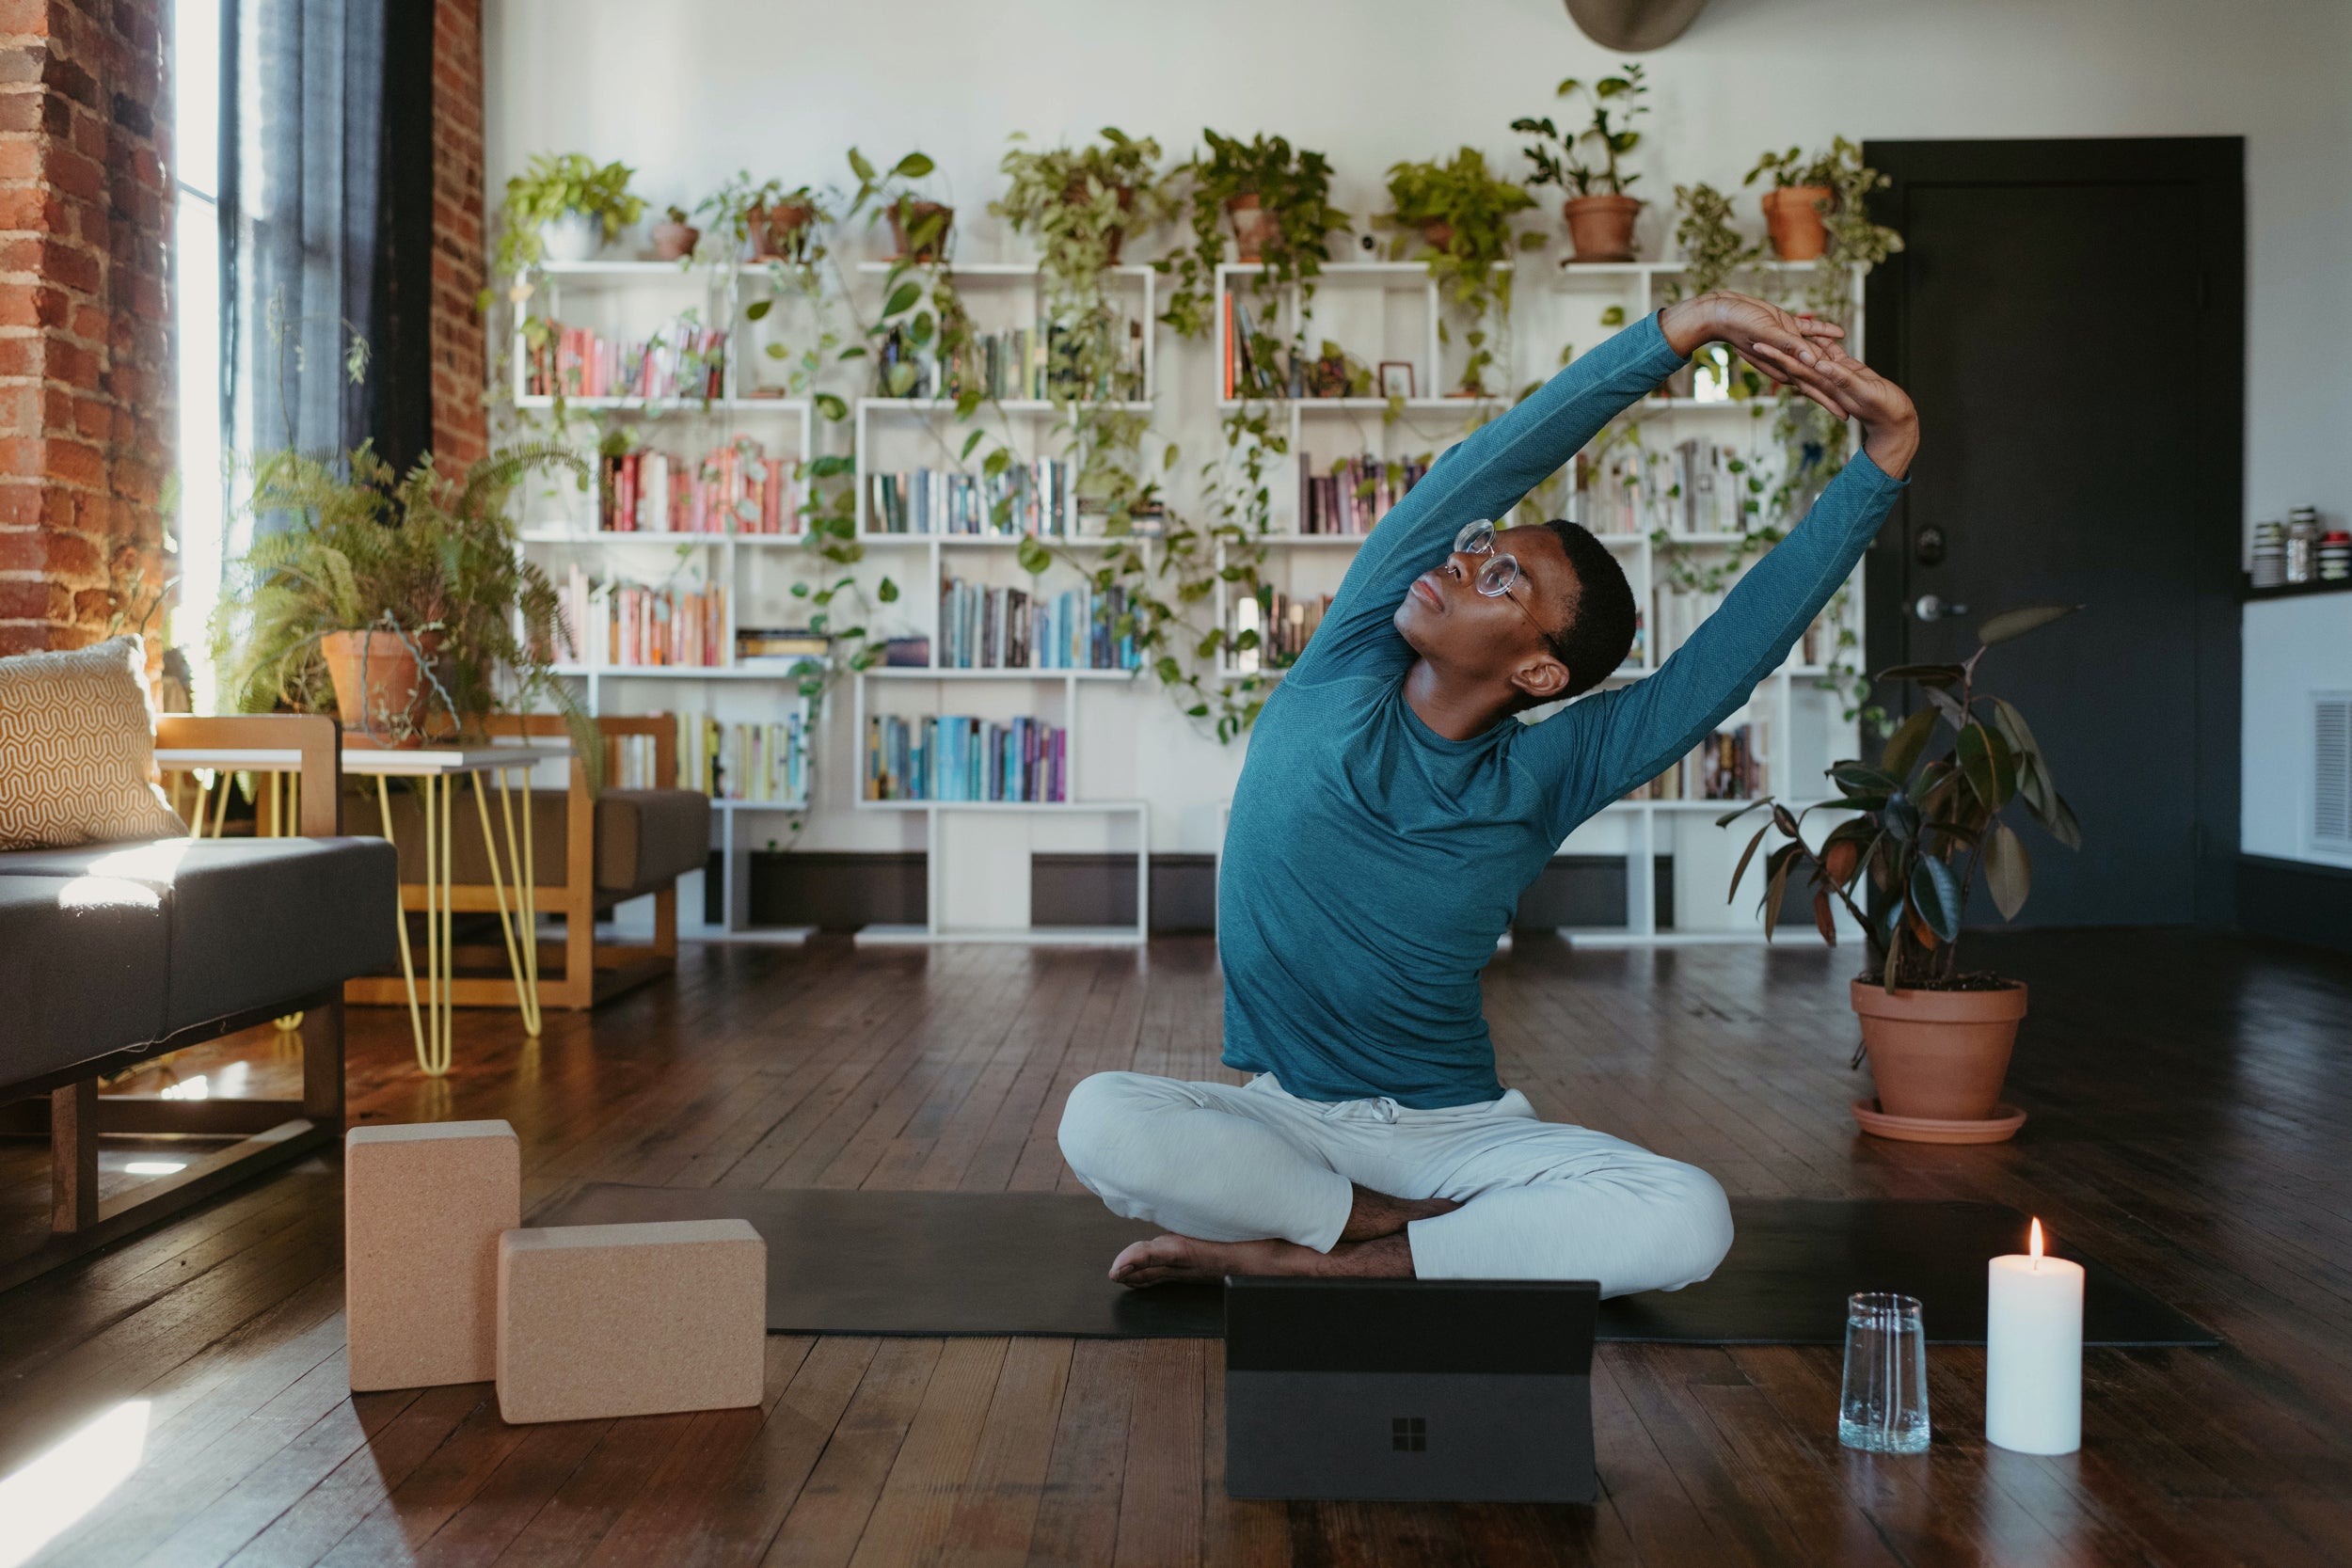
(1927, 606)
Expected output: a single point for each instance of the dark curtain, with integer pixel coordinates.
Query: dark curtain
(327, 206)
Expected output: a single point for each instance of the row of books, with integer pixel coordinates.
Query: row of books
(1354, 493)
(744, 761)
(632, 623)
(1037, 364)
(685, 359)
(1282, 625)
(1031, 498)
(984, 627)
(731, 489)
(1727, 766)
(1697, 487)
(955, 758)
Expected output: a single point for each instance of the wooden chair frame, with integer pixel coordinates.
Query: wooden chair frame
(270, 1132)
(579, 972)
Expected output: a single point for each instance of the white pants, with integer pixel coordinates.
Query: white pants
(1540, 1201)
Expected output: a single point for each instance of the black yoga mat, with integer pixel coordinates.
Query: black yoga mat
(957, 1263)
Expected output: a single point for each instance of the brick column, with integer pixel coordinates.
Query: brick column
(460, 363)
(87, 402)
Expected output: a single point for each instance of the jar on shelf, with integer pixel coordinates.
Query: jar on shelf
(2303, 544)
(2269, 567)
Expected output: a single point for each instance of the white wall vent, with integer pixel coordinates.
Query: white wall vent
(2331, 770)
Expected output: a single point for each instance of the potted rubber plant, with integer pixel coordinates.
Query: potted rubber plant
(1463, 213)
(918, 226)
(1914, 831)
(1599, 214)
(562, 208)
(397, 602)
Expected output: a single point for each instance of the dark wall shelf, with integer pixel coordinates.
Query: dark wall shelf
(2250, 594)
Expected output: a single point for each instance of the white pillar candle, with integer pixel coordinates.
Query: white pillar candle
(2033, 1352)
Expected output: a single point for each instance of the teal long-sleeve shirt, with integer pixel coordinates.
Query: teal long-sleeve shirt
(1371, 865)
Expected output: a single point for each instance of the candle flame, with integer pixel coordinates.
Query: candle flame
(2035, 1245)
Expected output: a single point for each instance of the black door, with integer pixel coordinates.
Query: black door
(2068, 316)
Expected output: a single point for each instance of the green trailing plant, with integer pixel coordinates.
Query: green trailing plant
(1080, 205)
(1293, 184)
(430, 557)
(1917, 828)
(1712, 249)
(551, 187)
(737, 208)
(1854, 241)
(1559, 156)
(1463, 213)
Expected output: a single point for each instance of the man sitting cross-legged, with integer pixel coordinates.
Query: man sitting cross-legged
(1391, 810)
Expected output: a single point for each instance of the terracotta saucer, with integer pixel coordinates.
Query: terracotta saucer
(1999, 1127)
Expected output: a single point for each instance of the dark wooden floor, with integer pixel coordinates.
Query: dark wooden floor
(2190, 1099)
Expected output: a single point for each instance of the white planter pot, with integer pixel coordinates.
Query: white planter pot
(572, 237)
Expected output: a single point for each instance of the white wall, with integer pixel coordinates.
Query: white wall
(688, 90)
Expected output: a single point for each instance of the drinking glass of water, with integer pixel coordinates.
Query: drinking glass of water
(1885, 1406)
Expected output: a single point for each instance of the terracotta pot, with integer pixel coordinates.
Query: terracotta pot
(1793, 213)
(675, 242)
(1601, 227)
(1254, 226)
(910, 214)
(1116, 235)
(1439, 232)
(776, 231)
(379, 690)
(1939, 1055)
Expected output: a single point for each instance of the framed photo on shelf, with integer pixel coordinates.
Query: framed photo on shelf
(1396, 378)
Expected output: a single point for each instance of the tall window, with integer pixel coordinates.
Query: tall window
(196, 321)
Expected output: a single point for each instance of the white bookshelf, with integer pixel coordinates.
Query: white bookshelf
(977, 852)
(631, 299)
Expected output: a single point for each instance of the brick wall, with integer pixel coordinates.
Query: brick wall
(88, 416)
(460, 429)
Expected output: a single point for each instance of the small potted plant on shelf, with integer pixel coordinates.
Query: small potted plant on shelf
(675, 236)
(563, 209)
(1921, 828)
(762, 220)
(1599, 214)
(1463, 213)
(1081, 204)
(399, 603)
(918, 227)
(1816, 200)
(1277, 201)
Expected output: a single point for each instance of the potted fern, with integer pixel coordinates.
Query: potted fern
(397, 602)
(1599, 214)
(1914, 831)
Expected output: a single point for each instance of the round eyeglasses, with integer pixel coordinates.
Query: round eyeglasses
(1498, 572)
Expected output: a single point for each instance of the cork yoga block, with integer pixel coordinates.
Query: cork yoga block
(424, 1208)
(598, 1320)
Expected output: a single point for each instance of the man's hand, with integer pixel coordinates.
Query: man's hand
(1852, 391)
(1743, 322)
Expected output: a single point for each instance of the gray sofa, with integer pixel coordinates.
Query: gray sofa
(112, 953)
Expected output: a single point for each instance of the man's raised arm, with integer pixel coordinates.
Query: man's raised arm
(1489, 471)
(1615, 741)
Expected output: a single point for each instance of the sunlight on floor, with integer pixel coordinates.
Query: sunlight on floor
(53, 1492)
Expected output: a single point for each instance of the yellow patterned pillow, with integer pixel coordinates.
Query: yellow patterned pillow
(77, 750)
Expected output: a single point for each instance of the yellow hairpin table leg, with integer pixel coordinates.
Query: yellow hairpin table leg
(400, 919)
(525, 993)
(526, 892)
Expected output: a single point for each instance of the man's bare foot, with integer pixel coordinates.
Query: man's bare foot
(1173, 1260)
(1376, 1214)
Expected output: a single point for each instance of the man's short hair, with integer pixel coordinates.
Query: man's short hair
(1601, 614)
